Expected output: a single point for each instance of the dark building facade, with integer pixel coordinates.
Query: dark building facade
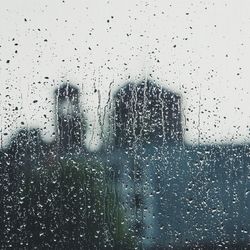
(71, 127)
(146, 113)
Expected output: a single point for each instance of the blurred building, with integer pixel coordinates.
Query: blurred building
(146, 113)
(145, 116)
(176, 195)
(70, 122)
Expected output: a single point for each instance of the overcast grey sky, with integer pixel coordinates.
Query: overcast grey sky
(200, 49)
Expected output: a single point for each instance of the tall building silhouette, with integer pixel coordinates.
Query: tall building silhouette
(146, 113)
(71, 129)
(145, 116)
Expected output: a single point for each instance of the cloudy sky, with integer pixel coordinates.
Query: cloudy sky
(199, 49)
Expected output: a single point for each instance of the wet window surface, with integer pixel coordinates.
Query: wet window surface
(124, 126)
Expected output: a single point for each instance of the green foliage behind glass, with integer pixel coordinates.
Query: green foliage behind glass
(65, 204)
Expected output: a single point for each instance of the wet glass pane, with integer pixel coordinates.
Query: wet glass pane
(124, 125)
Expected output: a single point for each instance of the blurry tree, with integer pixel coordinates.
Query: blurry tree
(69, 204)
